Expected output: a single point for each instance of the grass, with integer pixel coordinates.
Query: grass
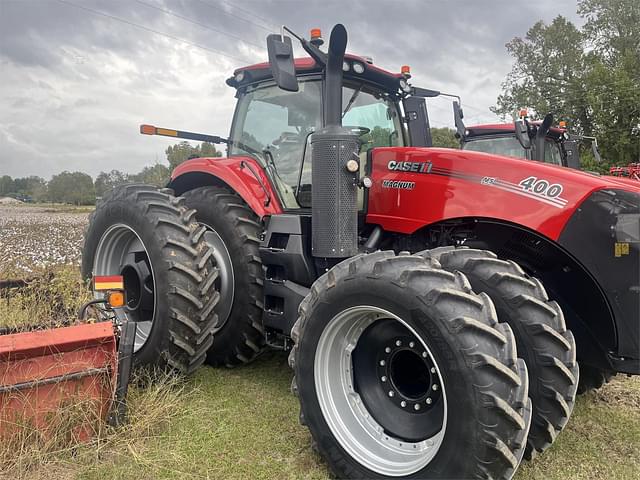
(52, 298)
(243, 423)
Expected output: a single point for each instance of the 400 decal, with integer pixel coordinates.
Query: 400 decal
(540, 186)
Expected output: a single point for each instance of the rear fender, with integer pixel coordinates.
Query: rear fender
(243, 175)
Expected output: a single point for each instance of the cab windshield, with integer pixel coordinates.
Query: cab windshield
(506, 146)
(274, 126)
(510, 147)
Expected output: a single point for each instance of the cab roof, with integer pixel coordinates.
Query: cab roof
(372, 74)
(505, 129)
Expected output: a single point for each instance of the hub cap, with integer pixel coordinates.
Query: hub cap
(121, 252)
(380, 391)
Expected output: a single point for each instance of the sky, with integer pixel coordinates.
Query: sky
(78, 77)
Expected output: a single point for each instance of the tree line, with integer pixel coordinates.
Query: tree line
(79, 188)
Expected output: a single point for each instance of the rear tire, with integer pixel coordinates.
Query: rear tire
(139, 228)
(592, 378)
(239, 336)
(483, 385)
(542, 338)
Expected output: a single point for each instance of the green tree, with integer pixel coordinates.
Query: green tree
(72, 187)
(29, 185)
(107, 181)
(589, 77)
(6, 185)
(444, 137)
(157, 175)
(178, 153)
(548, 74)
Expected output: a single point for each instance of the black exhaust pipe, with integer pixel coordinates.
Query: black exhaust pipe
(334, 188)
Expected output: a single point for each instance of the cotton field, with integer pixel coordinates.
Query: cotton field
(33, 238)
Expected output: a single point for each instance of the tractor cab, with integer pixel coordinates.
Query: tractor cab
(275, 126)
(529, 140)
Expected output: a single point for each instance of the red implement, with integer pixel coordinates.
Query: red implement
(44, 373)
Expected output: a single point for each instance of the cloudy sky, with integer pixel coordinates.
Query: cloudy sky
(77, 77)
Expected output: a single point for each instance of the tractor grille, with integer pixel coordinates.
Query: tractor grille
(334, 189)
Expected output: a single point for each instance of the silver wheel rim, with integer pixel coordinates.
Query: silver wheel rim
(117, 244)
(225, 282)
(351, 423)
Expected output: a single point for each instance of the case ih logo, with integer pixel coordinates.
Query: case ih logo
(415, 167)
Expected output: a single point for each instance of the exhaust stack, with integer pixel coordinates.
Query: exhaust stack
(334, 188)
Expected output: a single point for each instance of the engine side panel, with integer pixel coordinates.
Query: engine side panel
(414, 187)
(243, 174)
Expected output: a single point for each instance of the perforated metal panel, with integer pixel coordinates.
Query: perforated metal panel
(334, 188)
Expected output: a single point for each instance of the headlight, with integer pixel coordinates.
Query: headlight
(628, 227)
(358, 67)
(239, 77)
(345, 66)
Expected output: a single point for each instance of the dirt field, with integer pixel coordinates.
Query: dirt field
(243, 423)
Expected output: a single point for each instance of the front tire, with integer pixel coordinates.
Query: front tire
(542, 338)
(369, 418)
(151, 238)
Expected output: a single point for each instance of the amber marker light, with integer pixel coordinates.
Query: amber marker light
(115, 299)
(147, 129)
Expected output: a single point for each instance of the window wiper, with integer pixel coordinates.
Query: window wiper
(246, 148)
(351, 100)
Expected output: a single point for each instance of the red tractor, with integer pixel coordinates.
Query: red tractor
(531, 140)
(425, 294)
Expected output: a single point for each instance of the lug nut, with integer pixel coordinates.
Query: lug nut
(424, 354)
(383, 378)
(403, 404)
(433, 369)
(429, 401)
(391, 394)
(382, 363)
(434, 386)
(412, 344)
(416, 406)
(387, 350)
(398, 343)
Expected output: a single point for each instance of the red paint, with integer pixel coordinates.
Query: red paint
(237, 172)
(42, 355)
(435, 197)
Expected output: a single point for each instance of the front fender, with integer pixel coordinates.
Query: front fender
(243, 175)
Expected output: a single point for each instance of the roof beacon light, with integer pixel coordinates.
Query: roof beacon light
(316, 37)
(523, 113)
(405, 70)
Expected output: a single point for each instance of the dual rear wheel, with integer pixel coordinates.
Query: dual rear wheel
(403, 371)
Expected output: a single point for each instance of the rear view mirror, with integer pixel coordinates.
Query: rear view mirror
(281, 60)
(522, 134)
(458, 115)
(571, 153)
